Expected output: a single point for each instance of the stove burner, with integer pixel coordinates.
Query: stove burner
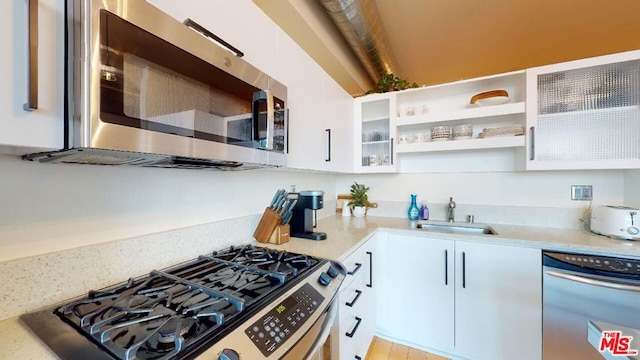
(176, 327)
(167, 313)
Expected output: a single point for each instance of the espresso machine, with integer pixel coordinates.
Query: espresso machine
(303, 219)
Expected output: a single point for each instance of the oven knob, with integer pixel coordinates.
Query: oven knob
(333, 272)
(324, 279)
(228, 354)
(633, 230)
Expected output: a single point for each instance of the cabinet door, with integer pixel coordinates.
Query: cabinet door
(338, 132)
(585, 114)
(374, 133)
(421, 291)
(498, 302)
(24, 131)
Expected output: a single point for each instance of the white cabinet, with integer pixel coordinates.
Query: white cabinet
(23, 131)
(420, 291)
(356, 322)
(374, 133)
(498, 307)
(474, 300)
(497, 126)
(585, 114)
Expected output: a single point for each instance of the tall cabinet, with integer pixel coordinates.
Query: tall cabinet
(23, 131)
(585, 114)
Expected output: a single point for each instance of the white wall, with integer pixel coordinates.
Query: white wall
(631, 189)
(548, 188)
(46, 208)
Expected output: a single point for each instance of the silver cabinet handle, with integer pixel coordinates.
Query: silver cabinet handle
(532, 130)
(32, 97)
(592, 281)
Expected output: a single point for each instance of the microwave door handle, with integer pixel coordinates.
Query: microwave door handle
(270, 121)
(260, 97)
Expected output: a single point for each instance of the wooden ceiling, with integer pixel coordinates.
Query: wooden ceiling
(438, 41)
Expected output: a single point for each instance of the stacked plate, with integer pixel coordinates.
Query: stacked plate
(461, 132)
(511, 130)
(440, 133)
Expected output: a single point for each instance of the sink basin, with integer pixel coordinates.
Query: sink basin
(458, 229)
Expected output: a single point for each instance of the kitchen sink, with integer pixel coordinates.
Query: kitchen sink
(458, 229)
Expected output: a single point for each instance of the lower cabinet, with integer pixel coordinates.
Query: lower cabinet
(467, 299)
(356, 323)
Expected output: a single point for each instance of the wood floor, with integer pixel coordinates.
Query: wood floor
(385, 350)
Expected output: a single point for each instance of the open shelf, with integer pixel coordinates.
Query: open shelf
(461, 114)
(467, 144)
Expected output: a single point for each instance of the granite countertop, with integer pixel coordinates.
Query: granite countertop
(345, 234)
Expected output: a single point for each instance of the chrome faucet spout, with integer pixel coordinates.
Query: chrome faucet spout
(450, 210)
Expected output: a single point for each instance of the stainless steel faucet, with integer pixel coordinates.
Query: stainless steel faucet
(452, 205)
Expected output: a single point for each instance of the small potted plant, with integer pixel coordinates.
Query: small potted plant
(359, 199)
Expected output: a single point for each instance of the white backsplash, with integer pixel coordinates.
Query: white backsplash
(555, 217)
(34, 282)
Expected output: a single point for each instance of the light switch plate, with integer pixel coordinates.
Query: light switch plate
(581, 192)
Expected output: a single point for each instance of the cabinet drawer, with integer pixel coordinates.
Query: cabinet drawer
(356, 265)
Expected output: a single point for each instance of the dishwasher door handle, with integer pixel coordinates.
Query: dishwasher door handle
(592, 281)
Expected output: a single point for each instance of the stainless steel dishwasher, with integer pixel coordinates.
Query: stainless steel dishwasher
(582, 287)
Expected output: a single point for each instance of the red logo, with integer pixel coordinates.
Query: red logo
(616, 343)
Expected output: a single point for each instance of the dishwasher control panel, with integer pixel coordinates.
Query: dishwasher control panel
(597, 262)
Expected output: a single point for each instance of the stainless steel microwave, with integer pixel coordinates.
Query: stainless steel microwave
(145, 89)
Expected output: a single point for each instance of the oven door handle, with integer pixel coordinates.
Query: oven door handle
(591, 281)
(326, 328)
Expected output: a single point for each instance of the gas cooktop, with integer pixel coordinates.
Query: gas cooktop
(172, 313)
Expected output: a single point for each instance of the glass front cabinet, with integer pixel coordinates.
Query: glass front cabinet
(584, 114)
(374, 135)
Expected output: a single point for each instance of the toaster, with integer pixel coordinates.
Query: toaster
(618, 222)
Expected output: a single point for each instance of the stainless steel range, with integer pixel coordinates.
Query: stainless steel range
(239, 303)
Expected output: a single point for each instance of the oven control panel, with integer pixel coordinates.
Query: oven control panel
(284, 319)
(605, 263)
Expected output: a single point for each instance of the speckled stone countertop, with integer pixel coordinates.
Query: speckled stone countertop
(345, 234)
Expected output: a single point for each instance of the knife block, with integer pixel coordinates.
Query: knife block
(280, 235)
(267, 225)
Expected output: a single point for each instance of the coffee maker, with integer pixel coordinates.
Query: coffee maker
(303, 219)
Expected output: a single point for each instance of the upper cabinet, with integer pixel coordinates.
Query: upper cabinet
(24, 131)
(443, 117)
(585, 114)
(439, 128)
(374, 140)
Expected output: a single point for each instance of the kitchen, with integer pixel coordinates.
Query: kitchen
(75, 207)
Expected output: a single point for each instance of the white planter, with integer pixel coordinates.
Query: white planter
(359, 211)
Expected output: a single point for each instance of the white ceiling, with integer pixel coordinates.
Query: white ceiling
(437, 41)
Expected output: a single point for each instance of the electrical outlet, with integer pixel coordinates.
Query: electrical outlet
(581, 192)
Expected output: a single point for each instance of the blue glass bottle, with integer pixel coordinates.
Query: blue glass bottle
(413, 208)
